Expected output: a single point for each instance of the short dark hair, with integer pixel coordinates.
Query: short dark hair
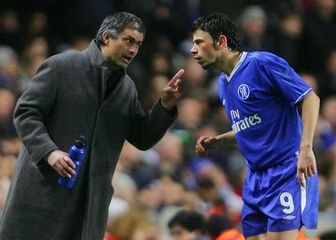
(190, 220)
(116, 23)
(219, 24)
(216, 224)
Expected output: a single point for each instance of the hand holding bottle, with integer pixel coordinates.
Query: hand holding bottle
(61, 162)
(76, 156)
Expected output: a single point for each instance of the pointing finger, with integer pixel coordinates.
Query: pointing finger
(176, 77)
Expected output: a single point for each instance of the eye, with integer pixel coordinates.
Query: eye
(197, 42)
(128, 41)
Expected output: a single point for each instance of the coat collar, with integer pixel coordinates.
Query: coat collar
(97, 59)
(95, 55)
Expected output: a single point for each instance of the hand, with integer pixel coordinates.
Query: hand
(172, 92)
(61, 162)
(204, 144)
(306, 166)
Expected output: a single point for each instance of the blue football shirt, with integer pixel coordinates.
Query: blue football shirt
(260, 97)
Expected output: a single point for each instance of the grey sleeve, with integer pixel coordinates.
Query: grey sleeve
(32, 110)
(147, 129)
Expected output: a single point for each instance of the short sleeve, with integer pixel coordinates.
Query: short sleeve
(285, 80)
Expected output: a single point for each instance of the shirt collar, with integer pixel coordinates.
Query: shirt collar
(242, 57)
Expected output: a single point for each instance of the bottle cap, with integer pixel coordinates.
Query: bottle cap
(80, 142)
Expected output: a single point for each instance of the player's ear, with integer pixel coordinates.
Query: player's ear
(222, 41)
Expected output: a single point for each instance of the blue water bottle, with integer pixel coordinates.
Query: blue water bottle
(76, 154)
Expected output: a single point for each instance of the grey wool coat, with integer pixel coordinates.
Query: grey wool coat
(62, 104)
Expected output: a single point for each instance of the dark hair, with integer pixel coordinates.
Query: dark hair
(219, 24)
(217, 224)
(189, 220)
(116, 23)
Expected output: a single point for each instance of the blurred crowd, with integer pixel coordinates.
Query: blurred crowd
(151, 186)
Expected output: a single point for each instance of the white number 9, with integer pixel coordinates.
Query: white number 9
(286, 200)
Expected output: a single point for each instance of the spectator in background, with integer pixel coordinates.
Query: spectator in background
(218, 227)
(328, 79)
(319, 35)
(10, 30)
(4, 187)
(80, 42)
(288, 38)
(208, 173)
(11, 73)
(187, 225)
(133, 224)
(37, 27)
(326, 134)
(7, 104)
(156, 82)
(253, 26)
(34, 54)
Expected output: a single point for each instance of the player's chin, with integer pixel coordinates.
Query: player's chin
(206, 66)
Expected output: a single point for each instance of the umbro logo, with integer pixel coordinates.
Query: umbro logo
(289, 217)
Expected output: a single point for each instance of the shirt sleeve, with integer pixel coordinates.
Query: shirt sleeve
(285, 80)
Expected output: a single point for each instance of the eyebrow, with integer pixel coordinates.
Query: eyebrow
(133, 39)
(129, 36)
(197, 40)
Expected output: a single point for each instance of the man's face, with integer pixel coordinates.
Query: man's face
(203, 49)
(180, 233)
(121, 50)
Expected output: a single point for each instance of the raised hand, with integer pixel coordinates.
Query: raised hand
(173, 91)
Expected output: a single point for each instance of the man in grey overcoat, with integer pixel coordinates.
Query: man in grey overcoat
(80, 93)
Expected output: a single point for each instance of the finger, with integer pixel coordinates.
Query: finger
(311, 171)
(306, 173)
(66, 169)
(301, 179)
(200, 147)
(178, 84)
(59, 169)
(200, 143)
(178, 88)
(197, 149)
(176, 77)
(69, 162)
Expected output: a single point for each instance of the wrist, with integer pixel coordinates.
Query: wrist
(170, 110)
(165, 106)
(219, 141)
(306, 146)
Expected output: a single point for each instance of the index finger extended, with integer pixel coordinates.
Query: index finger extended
(177, 76)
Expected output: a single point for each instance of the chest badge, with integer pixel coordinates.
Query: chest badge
(243, 91)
